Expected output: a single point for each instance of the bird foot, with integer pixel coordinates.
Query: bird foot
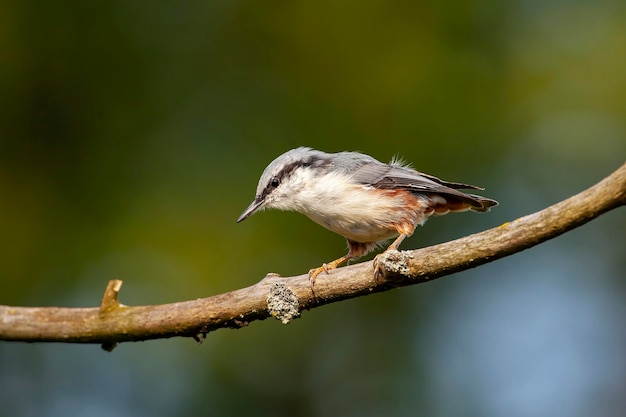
(313, 273)
(379, 270)
(391, 263)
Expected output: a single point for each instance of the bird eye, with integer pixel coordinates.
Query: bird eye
(274, 182)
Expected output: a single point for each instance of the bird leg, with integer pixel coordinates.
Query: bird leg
(313, 273)
(396, 243)
(356, 250)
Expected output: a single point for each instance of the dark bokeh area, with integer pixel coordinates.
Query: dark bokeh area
(132, 135)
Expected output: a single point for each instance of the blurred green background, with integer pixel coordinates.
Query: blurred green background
(133, 135)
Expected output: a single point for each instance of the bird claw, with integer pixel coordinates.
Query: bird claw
(379, 270)
(313, 273)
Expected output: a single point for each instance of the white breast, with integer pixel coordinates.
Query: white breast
(357, 212)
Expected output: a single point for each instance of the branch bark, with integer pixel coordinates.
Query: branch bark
(285, 298)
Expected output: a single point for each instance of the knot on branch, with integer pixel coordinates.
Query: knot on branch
(395, 262)
(282, 303)
(110, 299)
(110, 302)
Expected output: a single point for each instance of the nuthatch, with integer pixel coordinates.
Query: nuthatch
(360, 198)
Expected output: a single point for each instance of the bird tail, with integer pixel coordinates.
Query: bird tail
(486, 203)
(444, 204)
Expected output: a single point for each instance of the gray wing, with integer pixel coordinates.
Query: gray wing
(391, 177)
(351, 162)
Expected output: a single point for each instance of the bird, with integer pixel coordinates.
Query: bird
(366, 201)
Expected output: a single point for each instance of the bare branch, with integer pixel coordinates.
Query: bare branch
(285, 298)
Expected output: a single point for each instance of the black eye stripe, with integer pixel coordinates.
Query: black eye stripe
(289, 168)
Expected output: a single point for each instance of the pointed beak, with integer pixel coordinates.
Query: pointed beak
(252, 208)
